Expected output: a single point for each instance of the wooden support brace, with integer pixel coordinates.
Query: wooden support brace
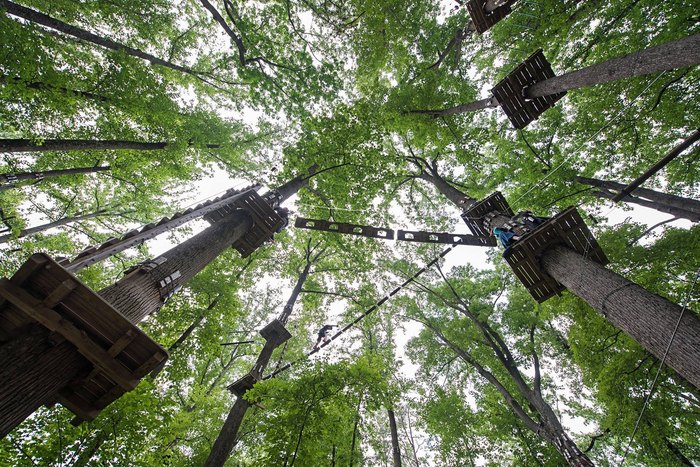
(54, 322)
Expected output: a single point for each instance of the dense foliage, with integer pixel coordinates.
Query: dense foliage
(259, 91)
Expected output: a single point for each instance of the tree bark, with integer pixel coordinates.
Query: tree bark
(32, 372)
(11, 179)
(53, 23)
(28, 145)
(675, 54)
(679, 206)
(671, 55)
(646, 317)
(138, 294)
(50, 225)
(227, 436)
(395, 448)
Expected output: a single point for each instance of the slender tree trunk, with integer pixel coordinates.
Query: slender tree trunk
(50, 225)
(226, 439)
(53, 23)
(395, 448)
(28, 145)
(675, 54)
(39, 86)
(86, 455)
(647, 318)
(221, 451)
(354, 431)
(679, 206)
(19, 177)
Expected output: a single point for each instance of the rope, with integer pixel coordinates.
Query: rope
(383, 300)
(575, 151)
(658, 372)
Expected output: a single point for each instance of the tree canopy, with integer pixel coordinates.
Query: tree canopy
(159, 101)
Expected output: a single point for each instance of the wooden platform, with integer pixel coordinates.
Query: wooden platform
(474, 216)
(266, 221)
(484, 20)
(510, 91)
(276, 332)
(121, 354)
(566, 228)
(240, 387)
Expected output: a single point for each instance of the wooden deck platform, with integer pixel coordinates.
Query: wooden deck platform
(474, 216)
(266, 221)
(509, 91)
(241, 386)
(566, 228)
(484, 20)
(276, 332)
(44, 292)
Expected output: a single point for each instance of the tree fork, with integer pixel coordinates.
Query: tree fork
(647, 318)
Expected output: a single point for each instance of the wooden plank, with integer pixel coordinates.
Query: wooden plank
(78, 406)
(35, 262)
(150, 364)
(121, 343)
(53, 321)
(61, 292)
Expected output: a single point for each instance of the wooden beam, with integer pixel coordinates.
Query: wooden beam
(54, 322)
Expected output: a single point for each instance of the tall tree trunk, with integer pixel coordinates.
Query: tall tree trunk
(138, 294)
(53, 23)
(221, 450)
(40, 370)
(395, 448)
(39, 86)
(675, 54)
(28, 145)
(354, 431)
(9, 180)
(85, 456)
(648, 318)
(50, 225)
(671, 55)
(677, 205)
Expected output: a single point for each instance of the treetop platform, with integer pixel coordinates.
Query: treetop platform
(484, 20)
(242, 385)
(121, 354)
(475, 214)
(266, 221)
(566, 228)
(276, 332)
(510, 91)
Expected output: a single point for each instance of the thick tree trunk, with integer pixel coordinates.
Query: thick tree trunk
(50, 225)
(675, 54)
(32, 371)
(28, 145)
(395, 448)
(649, 319)
(227, 436)
(679, 206)
(139, 293)
(19, 177)
(457, 197)
(53, 23)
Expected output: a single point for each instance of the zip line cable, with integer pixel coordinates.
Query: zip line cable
(607, 124)
(658, 372)
(383, 300)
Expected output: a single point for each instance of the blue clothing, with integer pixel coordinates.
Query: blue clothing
(505, 236)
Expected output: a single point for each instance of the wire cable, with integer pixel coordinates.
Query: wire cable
(383, 300)
(658, 372)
